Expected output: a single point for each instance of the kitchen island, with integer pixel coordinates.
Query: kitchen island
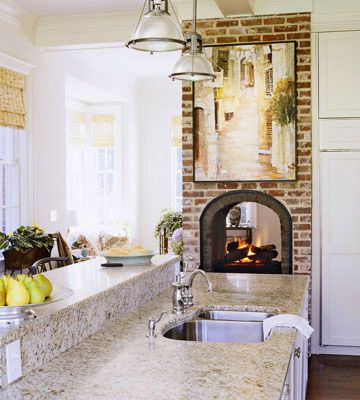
(120, 362)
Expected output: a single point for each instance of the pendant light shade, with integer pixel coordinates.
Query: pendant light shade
(157, 30)
(193, 64)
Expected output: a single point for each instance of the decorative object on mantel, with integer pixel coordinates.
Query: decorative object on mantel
(169, 222)
(24, 246)
(245, 129)
(12, 107)
(157, 30)
(193, 64)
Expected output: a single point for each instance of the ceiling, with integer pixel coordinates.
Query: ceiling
(121, 60)
(57, 7)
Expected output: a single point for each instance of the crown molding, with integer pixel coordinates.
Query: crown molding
(105, 28)
(16, 19)
(267, 7)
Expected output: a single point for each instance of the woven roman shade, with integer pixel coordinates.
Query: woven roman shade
(12, 108)
(77, 128)
(177, 131)
(103, 127)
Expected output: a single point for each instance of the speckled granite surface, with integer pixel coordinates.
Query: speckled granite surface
(119, 362)
(102, 295)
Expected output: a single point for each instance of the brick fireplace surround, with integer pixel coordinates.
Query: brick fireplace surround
(296, 196)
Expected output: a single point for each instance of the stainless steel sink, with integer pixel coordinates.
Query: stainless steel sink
(235, 315)
(218, 331)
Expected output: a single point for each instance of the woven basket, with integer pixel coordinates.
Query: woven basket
(24, 258)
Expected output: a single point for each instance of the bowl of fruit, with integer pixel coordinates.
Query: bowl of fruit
(19, 295)
(130, 255)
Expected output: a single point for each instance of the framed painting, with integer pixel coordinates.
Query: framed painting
(245, 121)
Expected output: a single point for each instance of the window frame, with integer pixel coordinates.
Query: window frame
(91, 161)
(26, 174)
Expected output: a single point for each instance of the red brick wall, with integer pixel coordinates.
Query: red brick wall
(296, 196)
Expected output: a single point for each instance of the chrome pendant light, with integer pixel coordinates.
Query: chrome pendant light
(157, 30)
(193, 64)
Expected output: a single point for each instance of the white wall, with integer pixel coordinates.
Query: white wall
(159, 99)
(268, 229)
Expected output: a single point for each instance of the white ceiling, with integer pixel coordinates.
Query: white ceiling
(121, 60)
(58, 7)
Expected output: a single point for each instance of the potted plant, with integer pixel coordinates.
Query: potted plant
(169, 222)
(24, 246)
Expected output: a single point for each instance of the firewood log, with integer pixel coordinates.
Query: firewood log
(236, 255)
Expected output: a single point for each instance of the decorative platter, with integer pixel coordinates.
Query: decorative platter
(15, 315)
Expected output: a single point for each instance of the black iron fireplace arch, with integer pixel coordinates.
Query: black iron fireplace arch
(213, 225)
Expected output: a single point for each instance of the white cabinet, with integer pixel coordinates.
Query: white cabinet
(339, 134)
(340, 200)
(297, 376)
(339, 77)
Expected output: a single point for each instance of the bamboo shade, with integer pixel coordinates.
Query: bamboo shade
(77, 127)
(12, 108)
(103, 130)
(177, 131)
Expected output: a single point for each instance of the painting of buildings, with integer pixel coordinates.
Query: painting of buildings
(245, 121)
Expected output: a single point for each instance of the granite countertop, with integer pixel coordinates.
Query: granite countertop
(119, 362)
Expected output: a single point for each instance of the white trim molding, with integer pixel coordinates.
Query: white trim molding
(17, 19)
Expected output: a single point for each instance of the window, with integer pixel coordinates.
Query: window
(93, 165)
(248, 214)
(9, 179)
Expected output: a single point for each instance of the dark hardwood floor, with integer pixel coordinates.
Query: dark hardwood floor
(334, 378)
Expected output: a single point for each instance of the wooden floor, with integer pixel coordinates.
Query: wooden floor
(334, 378)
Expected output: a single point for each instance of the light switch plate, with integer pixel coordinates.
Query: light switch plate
(53, 216)
(13, 361)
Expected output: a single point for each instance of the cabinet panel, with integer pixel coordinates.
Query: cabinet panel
(339, 134)
(339, 78)
(340, 248)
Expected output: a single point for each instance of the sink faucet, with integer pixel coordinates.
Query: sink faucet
(202, 273)
(182, 296)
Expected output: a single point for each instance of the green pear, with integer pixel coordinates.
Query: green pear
(21, 277)
(36, 293)
(2, 293)
(9, 283)
(6, 279)
(17, 294)
(44, 283)
(28, 279)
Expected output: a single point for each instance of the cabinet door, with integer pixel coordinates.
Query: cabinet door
(339, 78)
(339, 134)
(340, 258)
(289, 386)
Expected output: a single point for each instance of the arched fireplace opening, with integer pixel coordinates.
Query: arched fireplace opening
(246, 231)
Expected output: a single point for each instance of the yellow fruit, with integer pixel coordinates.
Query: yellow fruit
(17, 295)
(6, 279)
(21, 277)
(36, 293)
(44, 284)
(2, 293)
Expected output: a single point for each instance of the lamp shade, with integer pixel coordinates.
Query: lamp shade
(157, 31)
(193, 67)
